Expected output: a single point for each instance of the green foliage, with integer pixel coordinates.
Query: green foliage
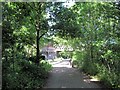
(25, 75)
(92, 29)
(78, 58)
(47, 67)
(109, 78)
(96, 25)
(65, 54)
(75, 64)
(90, 68)
(77, 55)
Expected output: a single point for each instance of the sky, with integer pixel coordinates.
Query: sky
(69, 3)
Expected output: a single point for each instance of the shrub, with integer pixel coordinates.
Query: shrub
(75, 63)
(90, 68)
(78, 58)
(110, 79)
(27, 74)
(44, 64)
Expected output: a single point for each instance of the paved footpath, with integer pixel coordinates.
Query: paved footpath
(64, 76)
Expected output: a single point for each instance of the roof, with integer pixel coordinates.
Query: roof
(48, 49)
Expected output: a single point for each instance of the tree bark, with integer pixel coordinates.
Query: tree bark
(37, 41)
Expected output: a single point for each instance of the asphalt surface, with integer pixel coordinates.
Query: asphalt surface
(64, 76)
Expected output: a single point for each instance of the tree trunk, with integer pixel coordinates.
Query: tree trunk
(37, 41)
(13, 56)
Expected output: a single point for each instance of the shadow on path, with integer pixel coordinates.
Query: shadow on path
(64, 76)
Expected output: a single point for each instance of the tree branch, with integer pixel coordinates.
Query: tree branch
(32, 7)
(42, 34)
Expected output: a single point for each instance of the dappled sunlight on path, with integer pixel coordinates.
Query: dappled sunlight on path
(62, 63)
(64, 76)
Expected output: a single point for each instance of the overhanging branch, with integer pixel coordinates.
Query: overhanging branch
(42, 34)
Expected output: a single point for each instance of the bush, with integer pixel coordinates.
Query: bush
(75, 64)
(33, 59)
(27, 74)
(110, 79)
(65, 54)
(90, 68)
(47, 67)
(78, 58)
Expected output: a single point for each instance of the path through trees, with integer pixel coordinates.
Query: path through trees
(64, 76)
